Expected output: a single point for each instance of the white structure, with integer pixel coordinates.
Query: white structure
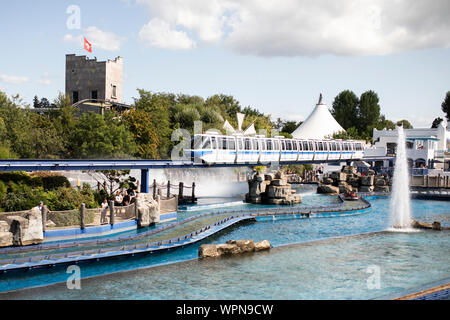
(319, 125)
(425, 147)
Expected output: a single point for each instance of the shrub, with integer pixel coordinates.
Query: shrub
(69, 198)
(51, 180)
(69, 218)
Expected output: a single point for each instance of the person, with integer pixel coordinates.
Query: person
(136, 197)
(105, 207)
(126, 198)
(118, 199)
(40, 206)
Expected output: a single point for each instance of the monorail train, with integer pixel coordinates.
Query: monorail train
(212, 148)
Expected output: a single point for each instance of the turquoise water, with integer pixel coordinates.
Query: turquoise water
(316, 270)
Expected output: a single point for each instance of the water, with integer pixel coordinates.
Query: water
(400, 198)
(308, 269)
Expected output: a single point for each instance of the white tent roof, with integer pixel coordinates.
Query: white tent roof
(319, 124)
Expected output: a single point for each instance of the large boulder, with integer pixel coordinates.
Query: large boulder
(26, 229)
(208, 250)
(6, 239)
(344, 187)
(262, 245)
(327, 189)
(278, 192)
(384, 189)
(327, 181)
(148, 211)
(367, 180)
(244, 245)
(380, 182)
(349, 169)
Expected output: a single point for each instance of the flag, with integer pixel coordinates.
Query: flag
(87, 45)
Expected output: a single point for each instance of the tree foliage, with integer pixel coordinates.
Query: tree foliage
(445, 106)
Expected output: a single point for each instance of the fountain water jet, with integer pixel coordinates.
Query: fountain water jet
(400, 208)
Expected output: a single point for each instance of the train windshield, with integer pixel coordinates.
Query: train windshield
(200, 142)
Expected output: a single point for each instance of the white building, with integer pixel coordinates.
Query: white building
(425, 147)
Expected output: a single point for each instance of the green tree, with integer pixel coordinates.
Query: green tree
(145, 134)
(159, 106)
(369, 112)
(345, 109)
(102, 136)
(405, 124)
(445, 106)
(290, 126)
(384, 123)
(436, 122)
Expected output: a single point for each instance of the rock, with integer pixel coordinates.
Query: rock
(225, 249)
(278, 192)
(327, 181)
(50, 223)
(436, 225)
(369, 189)
(262, 245)
(279, 182)
(269, 176)
(244, 245)
(148, 210)
(6, 239)
(327, 189)
(354, 182)
(384, 189)
(208, 250)
(4, 226)
(279, 175)
(26, 229)
(380, 182)
(343, 187)
(349, 169)
(367, 180)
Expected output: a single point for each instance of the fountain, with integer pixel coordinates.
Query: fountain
(400, 211)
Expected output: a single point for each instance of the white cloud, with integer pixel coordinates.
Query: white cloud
(160, 34)
(44, 80)
(13, 79)
(308, 27)
(99, 39)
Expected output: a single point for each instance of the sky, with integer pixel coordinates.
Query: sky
(276, 56)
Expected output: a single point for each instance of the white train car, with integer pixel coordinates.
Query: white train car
(214, 148)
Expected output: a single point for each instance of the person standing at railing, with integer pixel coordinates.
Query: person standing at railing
(126, 199)
(118, 199)
(104, 212)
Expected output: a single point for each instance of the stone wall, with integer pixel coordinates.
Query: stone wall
(148, 210)
(271, 188)
(21, 228)
(349, 179)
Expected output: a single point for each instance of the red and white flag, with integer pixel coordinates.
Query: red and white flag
(87, 45)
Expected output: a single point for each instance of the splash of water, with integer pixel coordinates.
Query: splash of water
(400, 207)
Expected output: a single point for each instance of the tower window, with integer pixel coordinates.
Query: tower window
(75, 96)
(114, 91)
(94, 94)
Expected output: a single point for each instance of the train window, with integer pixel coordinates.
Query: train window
(311, 146)
(213, 143)
(294, 145)
(241, 144)
(223, 143)
(256, 144)
(300, 146)
(283, 145)
(247, 144)
(288, 145)
(269, 144)
(231, 144)
(207, 143)
(263, 145)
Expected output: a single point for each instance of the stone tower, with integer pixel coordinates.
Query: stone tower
(91, 79)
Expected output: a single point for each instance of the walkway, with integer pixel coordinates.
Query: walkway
(170, 236)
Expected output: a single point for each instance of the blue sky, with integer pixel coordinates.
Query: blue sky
(276, 56)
